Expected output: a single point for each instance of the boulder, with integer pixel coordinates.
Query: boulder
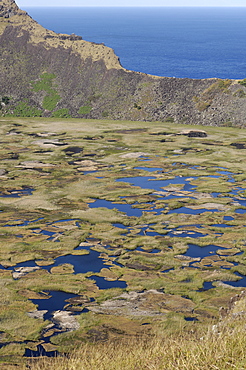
(65, 320)
(22, 271)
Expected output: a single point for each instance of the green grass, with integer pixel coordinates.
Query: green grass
(25, 110)
(85, 109)
(46, 84)
(61, 113)
(51, 100)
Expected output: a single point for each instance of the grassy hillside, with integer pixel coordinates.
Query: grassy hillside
(222, 351)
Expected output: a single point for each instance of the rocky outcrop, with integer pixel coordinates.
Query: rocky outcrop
(8, 9)
(47, 74)
(147, 303)
(232, 314)
(65, 320)
(22, 271)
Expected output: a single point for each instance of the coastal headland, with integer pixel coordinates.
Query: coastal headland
(47, 74)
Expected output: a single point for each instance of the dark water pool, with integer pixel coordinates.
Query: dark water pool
(23, 222)
(82, 263)
(196, 251)
(150, 182)
(126, 208)
(56, 302)
(222, 225)
(102, 283)
(207, 285)
(17, 193)
(240, 211)
(239, 283)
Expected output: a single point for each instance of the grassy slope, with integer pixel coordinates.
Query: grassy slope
(222, 351)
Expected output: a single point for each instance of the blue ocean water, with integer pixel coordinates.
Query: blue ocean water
(173, 42)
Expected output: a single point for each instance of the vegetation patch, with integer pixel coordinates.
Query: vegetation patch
(46, 84)
(85, 109)
(25, 110)
(206, 98)
(242, 82)
(61, 113)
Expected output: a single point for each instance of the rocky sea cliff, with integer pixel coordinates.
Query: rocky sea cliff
(47, 74)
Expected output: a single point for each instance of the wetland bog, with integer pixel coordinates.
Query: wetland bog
(107, 224)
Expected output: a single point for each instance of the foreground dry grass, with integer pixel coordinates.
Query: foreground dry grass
(222, 351)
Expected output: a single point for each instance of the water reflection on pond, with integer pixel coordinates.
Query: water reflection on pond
(17, 193)
(239, 283)
(196, 251)
(84, 263)
(126, 208)
(56, 301)
(103, 283)
(150, 182)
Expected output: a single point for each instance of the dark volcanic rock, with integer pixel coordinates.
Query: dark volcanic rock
(239, 145)
(9, 8)
(193, 133)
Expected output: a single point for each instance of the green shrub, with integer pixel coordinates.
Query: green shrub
(61, 113)
(240, 93)
(224, 84)
(203, 105)
(25, 110)
(5, 100)
(51, 100)
(85, 109)
(46, 84)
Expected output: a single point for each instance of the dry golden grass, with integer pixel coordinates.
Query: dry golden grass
(214, 351)
(84, 48)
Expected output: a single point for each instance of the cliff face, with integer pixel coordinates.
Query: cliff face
(8, 9)
(44, 73)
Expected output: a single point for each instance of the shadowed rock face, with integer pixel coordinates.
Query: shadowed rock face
(63, 75)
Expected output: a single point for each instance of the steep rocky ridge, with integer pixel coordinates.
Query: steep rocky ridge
(43, 73)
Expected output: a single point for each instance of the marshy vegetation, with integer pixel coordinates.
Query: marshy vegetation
(135, 231)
